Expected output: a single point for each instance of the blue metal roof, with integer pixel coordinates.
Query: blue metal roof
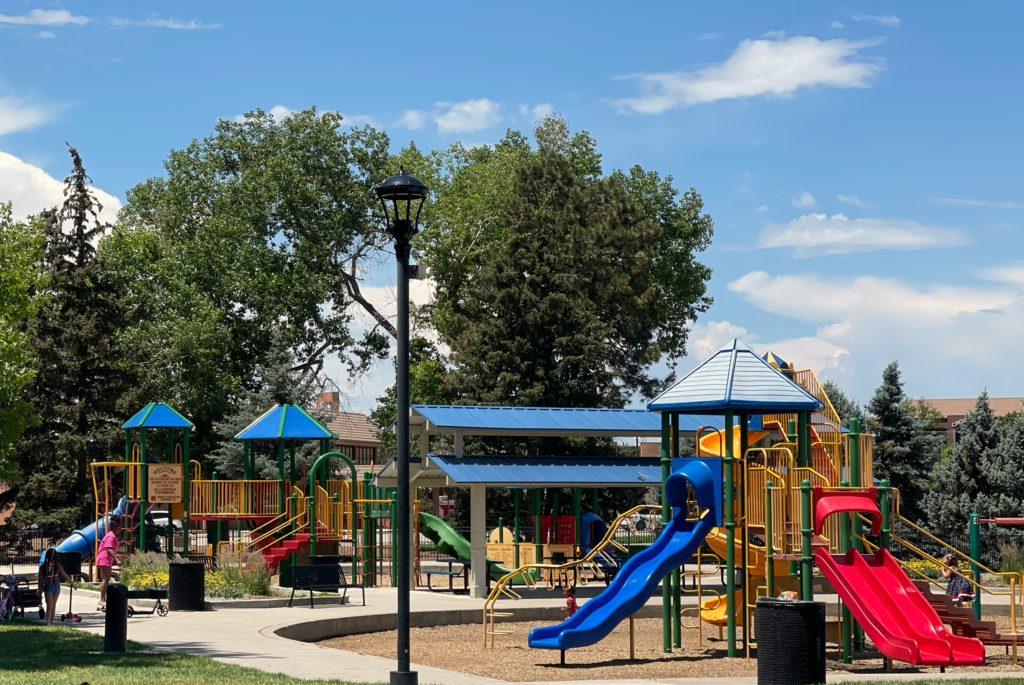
(512, 421)
(285, 421)
(735, 378)
(157, 415)
(550, 471)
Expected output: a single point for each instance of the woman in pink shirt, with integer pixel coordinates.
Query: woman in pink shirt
(106, 556)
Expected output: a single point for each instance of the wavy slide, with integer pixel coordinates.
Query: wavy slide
(894, 614)
(84, 541)
(639, 577)
(449, 542)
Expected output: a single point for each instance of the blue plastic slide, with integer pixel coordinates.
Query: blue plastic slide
(84, 541)
(639, 577)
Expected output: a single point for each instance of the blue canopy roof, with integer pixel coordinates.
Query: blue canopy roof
(550, 471)
(518, 421)
(285, 421)
(735, 378)
(157, 415)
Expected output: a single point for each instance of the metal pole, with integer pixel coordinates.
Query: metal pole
(744, 532)
(730, 539)
(804, 443)
(666, 590)
(807, 558)
(516, 496)
(844, 545)
(883, 504)
(144, 478)
(403, 675)
(677, 627)
(769, 547)
(577, 512)
(975, 532)
(856, 480)
(538, 550)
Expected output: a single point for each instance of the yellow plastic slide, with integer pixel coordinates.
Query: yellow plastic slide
(711, 443)
(755, 554)
(715, 609)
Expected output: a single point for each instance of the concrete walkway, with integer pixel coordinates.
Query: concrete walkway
(248, 637)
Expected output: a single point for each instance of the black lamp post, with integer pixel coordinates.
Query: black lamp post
(402, 196)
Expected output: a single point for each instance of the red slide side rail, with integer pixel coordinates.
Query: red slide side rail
(831, 502)
(893, 613)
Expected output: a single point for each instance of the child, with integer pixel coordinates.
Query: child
(570, 600)
(50, 575)
(959, 588)
(105, 558)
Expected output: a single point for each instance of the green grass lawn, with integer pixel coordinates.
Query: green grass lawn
(33, 653)
(941, 681)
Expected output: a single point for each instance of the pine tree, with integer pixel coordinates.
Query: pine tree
(898, 451)
(845, 406)
(963, 483)
(78, 380)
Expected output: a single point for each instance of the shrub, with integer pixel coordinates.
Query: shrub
(250, 576)
(924, 567)
(1011, 557)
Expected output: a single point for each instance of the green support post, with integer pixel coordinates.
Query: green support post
(975, 533)
(577, 512)
(744, 532)
(791, 439)
(666, 590)
(186, 512)
(807, 557)
(246, 473)
(217, 526)
(804, 439)
(768, 544)
(730, 538)
(367, 534)
(555, 506)
(501, 529)
(883, 504)
(144, 486)
(856, 480)
(394, 520)
(280, 475)
(538, 544)
(677, 628)
(291, 471)
(844, 546)
(516, 496)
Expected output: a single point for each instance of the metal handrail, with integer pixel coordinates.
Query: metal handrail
(501, 586)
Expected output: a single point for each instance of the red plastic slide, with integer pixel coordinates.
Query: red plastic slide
(893, 613)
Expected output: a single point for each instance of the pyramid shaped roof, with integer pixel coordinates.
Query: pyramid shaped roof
(285, 421)
(734, 378)
(157, 415)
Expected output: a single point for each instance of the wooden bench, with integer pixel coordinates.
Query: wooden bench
(322, 578)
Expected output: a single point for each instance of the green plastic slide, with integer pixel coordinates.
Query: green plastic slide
(449, 542)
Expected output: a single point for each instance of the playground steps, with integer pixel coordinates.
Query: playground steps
(962, 620)
(284, 549)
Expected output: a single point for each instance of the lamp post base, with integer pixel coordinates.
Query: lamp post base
(404, 678)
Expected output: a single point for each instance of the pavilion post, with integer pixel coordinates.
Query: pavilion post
(730, 539)
(478, 540)
(666, 589)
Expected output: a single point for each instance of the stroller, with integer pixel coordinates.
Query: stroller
(7, 598)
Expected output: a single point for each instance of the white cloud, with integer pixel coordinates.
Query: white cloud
(19, 115)
(360, 120)
(804, 200)
(809, 352)
(850, 200)
(467, 116)
(758, 67)
(968, 202)
(163, 23)
(951, 340)
(537, 112)
(44, 18)
(1012, 274)
(412, 119)
(31, 190)
(46, 34)
(820, 234)
(836, 24)
(890, 20)
(761, 209)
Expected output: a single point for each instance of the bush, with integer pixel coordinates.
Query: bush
(141, 570)
(925, 568)
(1011, 557)
(250, 576)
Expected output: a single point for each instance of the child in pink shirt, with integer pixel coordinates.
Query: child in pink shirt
(105, 558)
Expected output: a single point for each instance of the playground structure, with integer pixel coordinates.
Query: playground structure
(765, 432)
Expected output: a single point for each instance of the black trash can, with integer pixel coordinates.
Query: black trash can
(790, 642)
(115, 621)
(324, 559)
(186, 586)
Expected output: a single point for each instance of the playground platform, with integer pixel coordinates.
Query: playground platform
(249, 637)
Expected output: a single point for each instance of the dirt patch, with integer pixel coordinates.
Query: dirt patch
(460, 648)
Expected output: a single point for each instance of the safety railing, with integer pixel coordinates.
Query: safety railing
(527, 573)
(806, 379)
(831, 532)
(760, 471)
(295, 519)
(234, 498)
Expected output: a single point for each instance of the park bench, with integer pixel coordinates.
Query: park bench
(321, 578)
(451, 574)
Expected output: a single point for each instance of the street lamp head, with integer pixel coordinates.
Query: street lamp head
(402, 197)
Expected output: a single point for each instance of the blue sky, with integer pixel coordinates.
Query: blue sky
(861, 160)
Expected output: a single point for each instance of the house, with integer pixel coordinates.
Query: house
(954, 410)
(357, 434)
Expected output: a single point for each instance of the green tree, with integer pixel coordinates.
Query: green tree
(276, 381)
(265, 226)
(556, 285)
(845, 406)
(21, 277)
(900, 454)
(78, 380)
(962, 479)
